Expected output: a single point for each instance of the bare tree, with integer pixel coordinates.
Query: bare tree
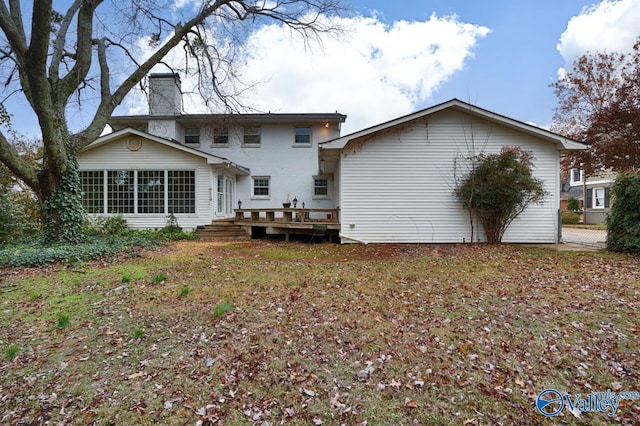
(85, 59)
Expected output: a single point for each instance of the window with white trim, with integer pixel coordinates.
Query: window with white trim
(151, 191)
(303, 135)
(261, 187)
(251, 136)
(320, 187)
(575, 177)
(181, 191)
(92, 184)
(156, 191)
(598, 198)
(221, 136)
(192, 135)
(120, 191)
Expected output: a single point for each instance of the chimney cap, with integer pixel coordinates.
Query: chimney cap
(165, 75)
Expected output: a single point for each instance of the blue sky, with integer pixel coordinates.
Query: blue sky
(511, 68)
(396, 57)
(402, 56)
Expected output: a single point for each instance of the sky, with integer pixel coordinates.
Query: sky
(397, 57)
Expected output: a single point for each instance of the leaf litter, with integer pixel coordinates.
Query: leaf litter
(325, 334)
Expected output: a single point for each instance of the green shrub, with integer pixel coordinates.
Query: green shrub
(623, 222)
(115, 225)
(570, 218)
(573, 204)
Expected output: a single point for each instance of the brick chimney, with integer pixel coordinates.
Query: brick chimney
(165, 94)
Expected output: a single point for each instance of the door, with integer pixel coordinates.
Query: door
(225, 194)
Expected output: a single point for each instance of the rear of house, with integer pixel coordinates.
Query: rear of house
(395, 181)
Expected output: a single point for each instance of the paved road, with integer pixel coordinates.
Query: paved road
(592, 237)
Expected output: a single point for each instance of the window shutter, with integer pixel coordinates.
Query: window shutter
(589, 198)
(606, 198)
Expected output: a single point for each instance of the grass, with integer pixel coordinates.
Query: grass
(11, 351)
(297, 334)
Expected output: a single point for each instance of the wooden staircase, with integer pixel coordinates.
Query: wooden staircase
(222, 230)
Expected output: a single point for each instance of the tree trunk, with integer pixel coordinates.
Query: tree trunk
(61, 204)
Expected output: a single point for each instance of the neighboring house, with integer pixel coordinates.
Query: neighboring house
(199, 167)
(395, 181)
(596, 192)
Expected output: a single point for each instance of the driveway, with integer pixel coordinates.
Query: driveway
(590, 237)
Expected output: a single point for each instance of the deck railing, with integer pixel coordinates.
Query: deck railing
(287, 215)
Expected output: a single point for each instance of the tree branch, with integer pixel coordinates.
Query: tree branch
(83, 51)
(18, 165)
(61, 39)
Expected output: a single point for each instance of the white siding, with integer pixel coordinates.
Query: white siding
(398, 187)
(290, 167)
(155, 156)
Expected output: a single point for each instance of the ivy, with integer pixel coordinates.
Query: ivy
(63, 212)
(623, 222)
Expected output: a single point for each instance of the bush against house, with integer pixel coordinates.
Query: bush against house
(498, 188)
(623, 222)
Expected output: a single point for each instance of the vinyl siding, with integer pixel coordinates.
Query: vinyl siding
(155, 156)
(398, 187)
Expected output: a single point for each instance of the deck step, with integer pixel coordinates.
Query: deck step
(221, 230)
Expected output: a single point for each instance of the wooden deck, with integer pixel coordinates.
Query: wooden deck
(290, 221)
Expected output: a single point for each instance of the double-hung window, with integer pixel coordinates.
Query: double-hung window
(251, 136)
(302, 136)
(192, 135)
(320, 187)
(262, 187)
(221, 136)
(576, 177)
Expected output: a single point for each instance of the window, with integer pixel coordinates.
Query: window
(320, 187)
(303, 135)
(221, 135)
(251, 135)
(220, 192)
(92, 184)
(120, 189)
(576, 177)
(156, 191)
(181, 191)
(192, 135)
(598, 198)
(261, 187)
(151, 191)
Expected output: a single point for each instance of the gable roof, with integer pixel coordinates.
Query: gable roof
(211, 159)
(564, 144)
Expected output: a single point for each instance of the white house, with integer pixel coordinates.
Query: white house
(395, 181)
(199, 167)
(392, 182)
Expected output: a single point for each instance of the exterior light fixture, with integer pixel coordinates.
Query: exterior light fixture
(295, 202)
(239, 204)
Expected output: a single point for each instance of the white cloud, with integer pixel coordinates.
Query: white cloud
(373, 72)
(610, 25)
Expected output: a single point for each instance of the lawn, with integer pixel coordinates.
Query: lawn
(271, 333)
